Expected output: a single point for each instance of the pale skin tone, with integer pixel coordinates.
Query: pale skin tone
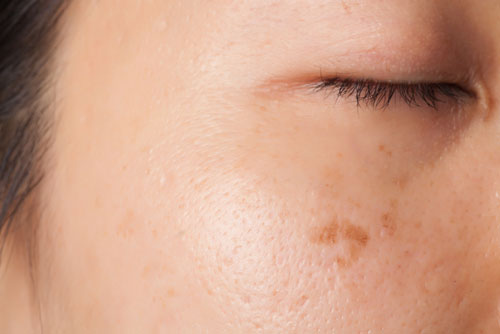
(196, 184)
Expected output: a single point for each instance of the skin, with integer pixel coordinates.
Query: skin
(196, 184)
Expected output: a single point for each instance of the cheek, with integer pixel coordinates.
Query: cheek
(287, 230)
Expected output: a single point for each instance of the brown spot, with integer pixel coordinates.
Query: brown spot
(146, 271)
(346, 7)
(388, 224)
(171, 292)
(348, 238)
(355, 233)
(343, 263)
(383, 149)
(301, 301)
(401, 181)
(328, 234)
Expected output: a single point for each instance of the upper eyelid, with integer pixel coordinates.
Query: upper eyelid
(381, 93)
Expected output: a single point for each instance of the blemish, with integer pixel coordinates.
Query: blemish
(355, 233)
(346, 239)
(388, 224)
(346, 7)
(401, 181)
(345, 231)
(341, 262)
(302, 301)
(328, 235)
(383, 149)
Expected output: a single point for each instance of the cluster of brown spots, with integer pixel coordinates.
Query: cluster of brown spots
(388, 219)
(345, 230)
(388, 224)
(328, 234)
(354, 239)
(356, 234)
(383, 149)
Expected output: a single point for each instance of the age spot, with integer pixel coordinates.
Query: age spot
(388, 225)
(346, 7)
(347, 239)
(383, 149)
(356, 234)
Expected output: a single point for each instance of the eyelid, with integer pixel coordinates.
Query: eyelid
(380, 94)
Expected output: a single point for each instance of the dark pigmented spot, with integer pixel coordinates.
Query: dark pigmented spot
(348, 238)
(383, 149)
(346, 7)
(328, 235)
(355, 233)
(343, 231)
(388, 224)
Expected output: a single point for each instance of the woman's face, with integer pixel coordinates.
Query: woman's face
(206, 177)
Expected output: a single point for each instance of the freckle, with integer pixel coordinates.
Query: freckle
(301, 301)
(383, 149)
(328, 234)
(171, 292)
(388, 224)
(340, 155)
(401, 181)
(343, 263)
(356, 233)
(346, 7)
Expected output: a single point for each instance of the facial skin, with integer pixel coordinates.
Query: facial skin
(197, 184)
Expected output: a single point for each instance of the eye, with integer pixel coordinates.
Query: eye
(380, 95)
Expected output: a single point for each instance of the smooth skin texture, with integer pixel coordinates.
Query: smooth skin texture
(198, 185)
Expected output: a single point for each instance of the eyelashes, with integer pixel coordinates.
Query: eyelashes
(379, 95)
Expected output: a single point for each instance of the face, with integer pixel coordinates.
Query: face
(228, 167)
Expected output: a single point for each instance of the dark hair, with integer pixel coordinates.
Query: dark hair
(27, 36)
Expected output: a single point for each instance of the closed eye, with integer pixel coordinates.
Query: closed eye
(379, 94)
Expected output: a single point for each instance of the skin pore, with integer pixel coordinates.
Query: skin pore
(197, 183)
